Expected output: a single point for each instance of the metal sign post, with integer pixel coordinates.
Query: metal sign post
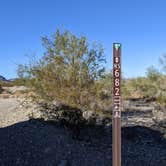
(116, 115)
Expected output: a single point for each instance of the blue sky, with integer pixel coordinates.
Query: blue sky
(140, 25)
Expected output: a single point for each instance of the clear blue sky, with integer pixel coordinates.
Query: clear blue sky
(140, 25)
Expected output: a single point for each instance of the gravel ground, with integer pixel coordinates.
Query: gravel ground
(37, 143)
(25, 142)
(11, 112)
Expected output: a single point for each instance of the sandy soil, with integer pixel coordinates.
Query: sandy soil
(11, 112)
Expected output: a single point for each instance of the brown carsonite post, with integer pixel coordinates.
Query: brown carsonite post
(116, 115)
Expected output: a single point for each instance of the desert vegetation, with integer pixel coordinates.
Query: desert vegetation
(72, 72)
(151, 86)
(1, 88)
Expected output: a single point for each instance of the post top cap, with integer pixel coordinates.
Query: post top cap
(116, 45)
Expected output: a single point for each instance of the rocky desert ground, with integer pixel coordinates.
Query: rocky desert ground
(34, 142)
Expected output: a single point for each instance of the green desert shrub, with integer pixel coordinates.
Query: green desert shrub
(68, 72)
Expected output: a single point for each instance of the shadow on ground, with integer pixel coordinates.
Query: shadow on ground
(37, 143)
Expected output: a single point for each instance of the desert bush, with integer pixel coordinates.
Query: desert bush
(68, 72)
(1, 89)
(158, 80)
(161, 81)
(162, 61)
(16, 82)
(150, 86)
(140, 87)
(6, 84)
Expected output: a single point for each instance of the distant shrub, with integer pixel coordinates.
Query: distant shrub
(6, 84)
(16, 82)
(151, 86)
(161, 100)
(1, 88)
(139, 88)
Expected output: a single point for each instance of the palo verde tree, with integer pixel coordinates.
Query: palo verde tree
(69, 70)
